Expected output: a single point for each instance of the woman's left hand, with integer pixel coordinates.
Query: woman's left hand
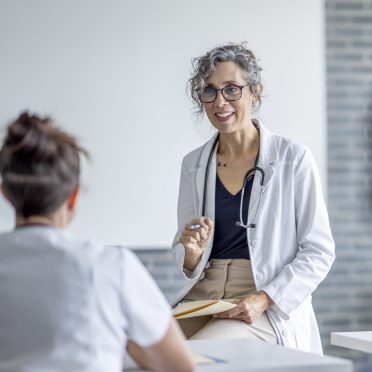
(249, 308)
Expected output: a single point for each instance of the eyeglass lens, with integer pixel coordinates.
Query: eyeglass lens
(229, 92)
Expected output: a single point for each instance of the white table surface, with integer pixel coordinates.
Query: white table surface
(258, 356)
(361, 341)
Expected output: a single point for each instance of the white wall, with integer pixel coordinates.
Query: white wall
(114, 74)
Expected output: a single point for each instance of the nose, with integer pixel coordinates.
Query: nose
(220, 99)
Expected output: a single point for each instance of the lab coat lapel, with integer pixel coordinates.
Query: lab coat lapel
(267, 159)
(256, 188)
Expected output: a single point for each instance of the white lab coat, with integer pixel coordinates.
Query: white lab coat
(291, 248)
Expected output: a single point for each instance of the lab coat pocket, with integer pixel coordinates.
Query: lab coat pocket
(300, 323)
(291, 336)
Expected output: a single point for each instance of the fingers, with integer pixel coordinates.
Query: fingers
(197, 225)
(192, 233)
(192, 237)
(189, 242)
(245, 311)
(209, 222)
(232, 313)
(204, 222)
(200, 229)
(195, 237)
(192, 241)
(239, 316)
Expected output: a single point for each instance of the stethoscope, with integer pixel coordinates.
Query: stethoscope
(247, 176)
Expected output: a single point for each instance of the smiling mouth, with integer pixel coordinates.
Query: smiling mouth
(223, 116)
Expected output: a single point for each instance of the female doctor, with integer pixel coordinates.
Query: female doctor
(252, 223)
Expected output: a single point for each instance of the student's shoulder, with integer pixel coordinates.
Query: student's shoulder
(88, 250)
(121, 253)
(105, 252)
(113, 260)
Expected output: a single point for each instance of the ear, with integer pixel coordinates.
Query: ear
(72, 199)
(2, 190)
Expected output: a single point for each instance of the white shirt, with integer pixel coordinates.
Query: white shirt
(291, 249)
(68, 304)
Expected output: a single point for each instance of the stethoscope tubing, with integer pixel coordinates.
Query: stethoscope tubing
(249, 173)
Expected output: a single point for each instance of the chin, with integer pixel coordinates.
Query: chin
(225, 128)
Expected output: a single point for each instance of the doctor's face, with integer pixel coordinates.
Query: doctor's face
(228, 113)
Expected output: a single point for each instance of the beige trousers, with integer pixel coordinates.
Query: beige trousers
(225, 279)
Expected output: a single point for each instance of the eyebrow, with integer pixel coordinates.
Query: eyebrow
(234, 82)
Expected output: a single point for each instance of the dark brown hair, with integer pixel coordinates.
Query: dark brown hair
(39, 165)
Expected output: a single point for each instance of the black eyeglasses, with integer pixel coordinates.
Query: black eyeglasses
(230, 92)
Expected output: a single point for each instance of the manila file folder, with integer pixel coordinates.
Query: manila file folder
(191, 309)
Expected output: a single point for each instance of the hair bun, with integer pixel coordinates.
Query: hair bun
(39, 165)
(28, 138)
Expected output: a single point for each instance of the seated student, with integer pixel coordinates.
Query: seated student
(67, 303)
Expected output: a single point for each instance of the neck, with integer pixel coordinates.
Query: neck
(237, 144)
(53, 220)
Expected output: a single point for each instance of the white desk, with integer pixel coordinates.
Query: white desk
(361, 341)
(256, 356)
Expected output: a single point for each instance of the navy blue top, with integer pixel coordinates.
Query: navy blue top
(230, 241)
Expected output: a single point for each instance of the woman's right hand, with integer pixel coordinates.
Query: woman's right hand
(195, 239)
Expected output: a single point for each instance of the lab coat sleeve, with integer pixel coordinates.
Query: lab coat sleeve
(316, 251)
(186, 212)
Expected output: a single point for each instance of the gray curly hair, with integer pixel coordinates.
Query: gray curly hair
(238, 53)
